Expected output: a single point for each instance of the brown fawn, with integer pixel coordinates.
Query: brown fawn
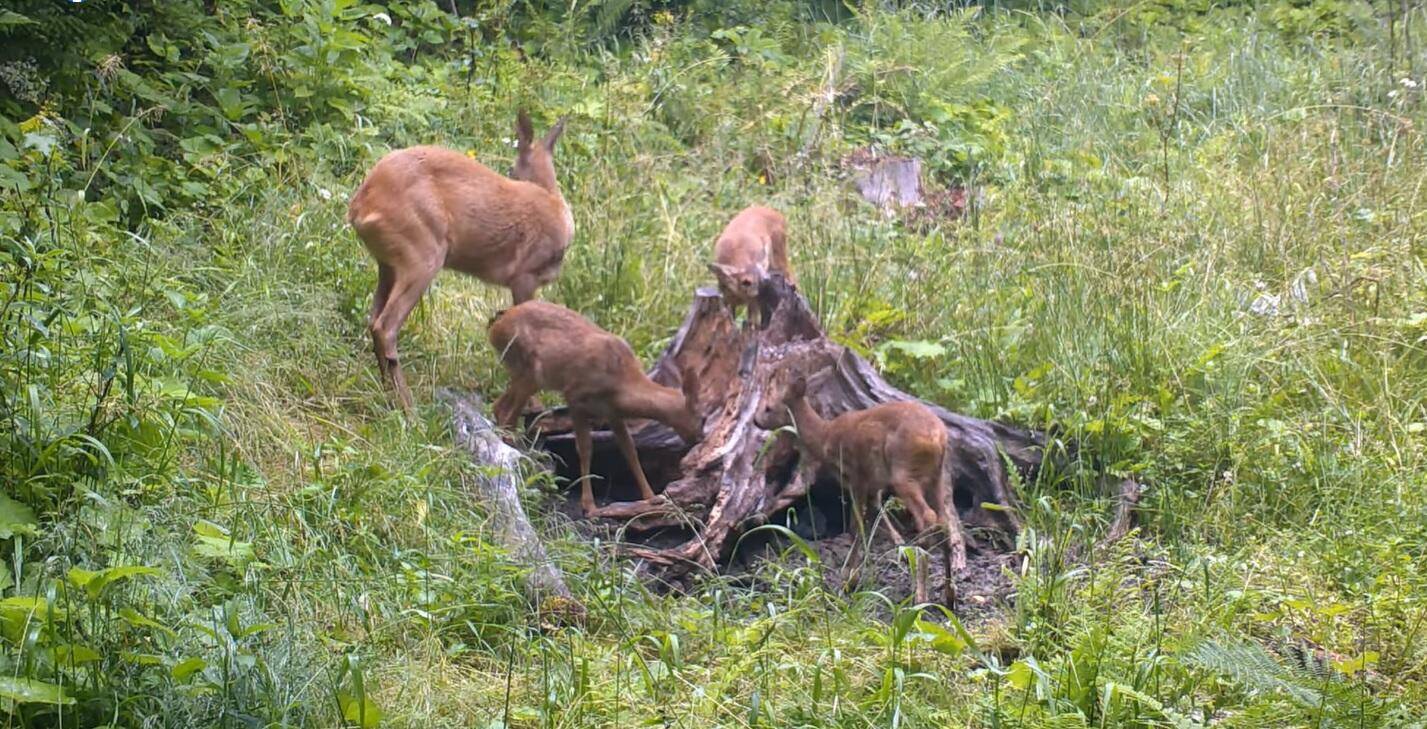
(753, 244)
(897, 446)
(422, 209)
(545, 346)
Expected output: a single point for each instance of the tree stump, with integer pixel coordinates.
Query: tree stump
(740, 475)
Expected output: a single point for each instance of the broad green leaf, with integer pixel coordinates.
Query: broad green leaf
(13, 178)
(15, 518)
(95, 582)
(214, 541)
(363, 712)
(11, 19)
(133, 617)
(1020, 675)
(142, 659)
(30, 691)
(942, 640)
(185, 668)
(22, 607)
(74, 654)
(1352, 666)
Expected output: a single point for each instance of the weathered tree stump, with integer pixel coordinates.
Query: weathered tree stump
(735, 479)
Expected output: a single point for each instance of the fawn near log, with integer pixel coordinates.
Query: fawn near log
(545, 346)
(751, 246)
(898, 446)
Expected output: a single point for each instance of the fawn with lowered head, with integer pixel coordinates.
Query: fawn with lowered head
(545, 346)
(897, 446)
(422, 209)
(753, 244)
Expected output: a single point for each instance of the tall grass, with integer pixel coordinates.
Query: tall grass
(1197, 252)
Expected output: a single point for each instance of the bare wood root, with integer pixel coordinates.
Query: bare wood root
(735, 479)
(497, 490)
(1125, 508)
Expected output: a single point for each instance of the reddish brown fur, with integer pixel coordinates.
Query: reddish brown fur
(545, 346)
(422, 209)
(751, 246)
(897, 446)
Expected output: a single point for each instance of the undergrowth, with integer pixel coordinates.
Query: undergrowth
(1192, 246)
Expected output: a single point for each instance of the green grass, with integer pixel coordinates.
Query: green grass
(1197, 251)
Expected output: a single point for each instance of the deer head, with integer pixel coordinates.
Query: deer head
(535, 161)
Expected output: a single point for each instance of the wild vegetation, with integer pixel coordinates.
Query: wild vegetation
(1193, 246)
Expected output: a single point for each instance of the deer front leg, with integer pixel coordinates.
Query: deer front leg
(583, 447)
(522, 289)
(625, 441)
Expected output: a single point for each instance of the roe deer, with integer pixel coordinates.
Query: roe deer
(754, 243)
(422, 209)
(899, 446)
(545, 346)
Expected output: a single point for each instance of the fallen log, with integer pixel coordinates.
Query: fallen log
(740, 475)
(496, 489)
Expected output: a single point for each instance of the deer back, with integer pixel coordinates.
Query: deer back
(434, 205)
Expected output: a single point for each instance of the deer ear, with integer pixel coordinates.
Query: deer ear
(524, 132)
(554, 134)
(797, 388)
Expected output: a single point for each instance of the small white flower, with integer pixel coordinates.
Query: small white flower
(324, 193)
(383, 17)
(1409, 83)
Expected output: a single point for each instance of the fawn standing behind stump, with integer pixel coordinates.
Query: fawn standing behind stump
(545, 346)
(754, 243)
(899, 446)
(422, 209)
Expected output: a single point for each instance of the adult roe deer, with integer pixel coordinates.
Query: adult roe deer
(753, 244)
(424, 208)
(545, 346)
(899, 446)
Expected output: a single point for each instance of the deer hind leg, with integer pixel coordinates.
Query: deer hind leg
(926, 520)
(625, 441)
(407, 287)
(386, 276)
(584, 446)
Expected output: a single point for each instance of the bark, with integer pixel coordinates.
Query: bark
(735, 478)
(497, 489)
(891, 181)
